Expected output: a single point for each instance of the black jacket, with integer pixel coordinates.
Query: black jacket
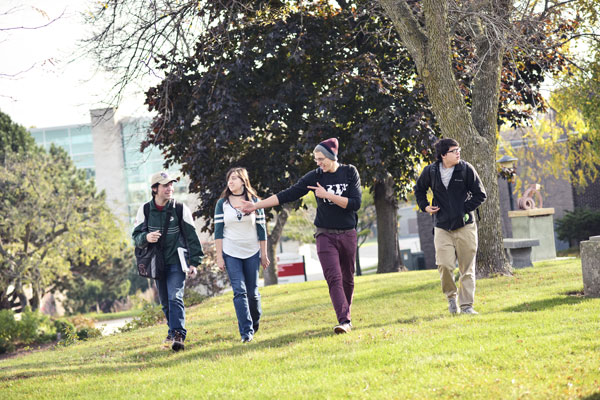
(464, 194)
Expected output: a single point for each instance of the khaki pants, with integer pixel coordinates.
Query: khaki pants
(450, 246)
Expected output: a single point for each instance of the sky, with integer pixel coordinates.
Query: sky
(42, 84)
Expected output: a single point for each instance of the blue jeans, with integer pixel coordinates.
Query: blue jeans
(243, 275)
(170, 293)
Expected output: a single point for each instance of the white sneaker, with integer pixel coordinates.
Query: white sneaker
(343, 328)
(468, 310)
(452, 307)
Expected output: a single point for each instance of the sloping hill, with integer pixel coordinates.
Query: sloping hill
(535, 338)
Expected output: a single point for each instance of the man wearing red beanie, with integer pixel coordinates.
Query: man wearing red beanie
(338, 192)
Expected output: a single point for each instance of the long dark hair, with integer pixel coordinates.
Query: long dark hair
(243, 175)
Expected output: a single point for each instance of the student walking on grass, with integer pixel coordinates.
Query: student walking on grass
(241, 246)
(149, 224)
(338, 192)
(457, 192)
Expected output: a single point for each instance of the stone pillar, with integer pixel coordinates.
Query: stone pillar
(590, 266)
(536, 223)
(110, 161)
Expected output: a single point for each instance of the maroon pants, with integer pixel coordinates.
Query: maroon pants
(337, 254)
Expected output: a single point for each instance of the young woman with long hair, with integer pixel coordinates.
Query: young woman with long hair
(241, 245)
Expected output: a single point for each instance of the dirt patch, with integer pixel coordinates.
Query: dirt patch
(20, 351)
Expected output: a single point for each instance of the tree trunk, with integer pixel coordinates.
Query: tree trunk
(386, 208)
(490, 252)
(358, 269)
(36, 298)
(24, 302)
(273, 239)
(474, 129)
(36, 290)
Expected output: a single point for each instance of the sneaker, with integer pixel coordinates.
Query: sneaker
(247, 339)
(178, 340)
(343, 328)
(168, 341)
(468, 310)
(452, 307)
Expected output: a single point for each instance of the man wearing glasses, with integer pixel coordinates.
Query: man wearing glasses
(457, 192)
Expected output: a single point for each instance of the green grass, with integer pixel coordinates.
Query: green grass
(536, 338)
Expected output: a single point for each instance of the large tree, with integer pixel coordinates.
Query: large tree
(469, 113)
(53, 224)
(131, 33)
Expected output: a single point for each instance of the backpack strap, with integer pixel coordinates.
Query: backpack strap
(179, 213)
(432, 175)
(433, 168)
(146, 215)
(146, 211)
(464, 175)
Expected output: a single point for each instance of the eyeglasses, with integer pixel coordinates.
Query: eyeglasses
(455, 151)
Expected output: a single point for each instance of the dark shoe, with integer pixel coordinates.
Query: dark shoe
(468, 310)
(255, 327)
(452, 307)
(168, 341)
(343, 328)
(178, 340)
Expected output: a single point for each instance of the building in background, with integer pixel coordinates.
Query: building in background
(109, 152)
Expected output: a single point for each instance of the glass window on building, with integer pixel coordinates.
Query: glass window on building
(81, 139)
(59, 137)
(84, 160)
(38, 136)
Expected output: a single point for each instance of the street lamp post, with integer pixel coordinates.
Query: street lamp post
(508, 171)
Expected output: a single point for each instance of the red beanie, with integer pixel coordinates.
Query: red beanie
(329, 148)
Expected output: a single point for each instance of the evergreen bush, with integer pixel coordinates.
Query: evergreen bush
(578, 225)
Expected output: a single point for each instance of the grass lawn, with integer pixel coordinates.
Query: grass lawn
(536, 338)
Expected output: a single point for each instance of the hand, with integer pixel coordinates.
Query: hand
(320, 191)
(247, 207)
(192, 271)
(432, 209)
(221, 263)
(264, 260)
(153, 237)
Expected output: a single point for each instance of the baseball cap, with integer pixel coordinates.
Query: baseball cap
(163, 178)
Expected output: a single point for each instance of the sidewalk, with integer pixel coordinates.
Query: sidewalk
(112, 325)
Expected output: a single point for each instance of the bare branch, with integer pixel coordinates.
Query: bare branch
(14, 28)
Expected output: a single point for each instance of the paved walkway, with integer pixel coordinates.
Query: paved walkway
(112, 325)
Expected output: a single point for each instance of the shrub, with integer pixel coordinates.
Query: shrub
(8, 330)
(88, 333)
(33, 327)
(578, 225)
(28, 328)
(151, 315)
(82, 322)
(192, 297)
(69, 336)
(210, 279)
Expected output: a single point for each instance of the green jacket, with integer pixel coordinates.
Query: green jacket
(174, 239)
